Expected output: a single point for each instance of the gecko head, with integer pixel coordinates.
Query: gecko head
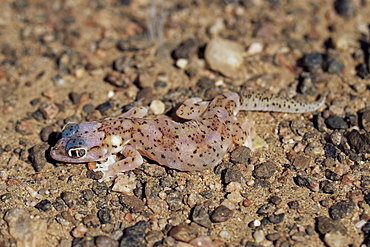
(80, 143)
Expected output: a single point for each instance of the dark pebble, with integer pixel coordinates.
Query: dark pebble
(266, 209)
(160, 84)
(365, 181)
(174, 200)
(326, 225)
(69, 198)
(360, 142)
(233, 174)
(35, 102)
(5, 197)
(341, 209)
(264, 170)
(94, 175)
(133, 203)
(45, 133)
(336, 122)
(186, 49)
(262, 183)
(329, 174)
(240, 155)
(345, 8)
(307, 181)
(88, 194)
(331, 151)
(366, 228)
(121, 63)
(104, 216)
(313, 61)
(100, 189)
(38, 115)
(88, 108)
(85, 241)
(201, 217)
(37, 156)
(221, 214)
(327, 187)
(276, 200)
(44, 205)
(134, 235)
(205, 83)
(74, 97)
(105, 241)
(365, 118)
(367, 198)
(208, 194)
(104, 106)
(273, 236)
(362, 71)
(293, 204)
(334, 67)
(59, 204)
(275, 219)
(91, 221)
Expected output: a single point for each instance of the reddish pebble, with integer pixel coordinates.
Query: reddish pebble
(24, 128)
(50, 111)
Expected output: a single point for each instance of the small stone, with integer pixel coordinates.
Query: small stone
(87, 194)
(344, 42)
(45, 205)
(329, 174)
(365, 118)
(79, 231)
(104, 107)
(266, 209)
(331, 151)
(336, 122)
(201, 241)
(276, 200)
(26, 230)
(345, 8)
(341, 209)
(258, 236)
(336, 137)
(224, 234)
(133, 203)
(275, 219)
(255, 48)
(307, 181)
(265, 170)
(157, 107)
(235, 197)
(360, 142)
(221, 214)
(200, 216)
(24, 127)
(146, 95)
(182, 63)
(183, 233)
(224, 56)
(74, 97)
(186, 50)
(104, 216)
(37, 156)
(105, 241)
(46, 132)
(313, 61)
(240, 155)
(50, 111)
(121, 63)
(301, 162)
(325, 225)
(125, 183)
(134, 235)
(273, 236)
(69, 198)
(233, 174)
(327, 187)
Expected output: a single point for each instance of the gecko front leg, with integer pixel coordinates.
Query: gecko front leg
(111, 167)
(192, 108)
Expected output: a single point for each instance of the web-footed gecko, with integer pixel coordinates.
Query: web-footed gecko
(197, 144)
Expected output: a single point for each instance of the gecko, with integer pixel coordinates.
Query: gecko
(210, 130)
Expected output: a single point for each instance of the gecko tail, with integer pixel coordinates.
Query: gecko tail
(262, 101)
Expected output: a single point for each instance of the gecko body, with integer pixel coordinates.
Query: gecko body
(201, 142)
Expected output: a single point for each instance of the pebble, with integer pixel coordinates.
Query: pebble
(313, 62)
(157, 107)
(121, 63)
(202, 241)
(275, 219)
(45, 205)
(133, 203)
(79, 231)
(335, 239)
(240, 155)
(264, 170)
(235, 197)
(345, 8)
(49, 111)
(69, 198)
(200, 216)
(273, 236)
(125, 183)
(24, 128)
(328, 187)
(233, 174)
(224, 234)
(266, 209)
(46, 132)
(221, 214)
(255, 48)
(336, 122)
(37, 156)
(341, 209)
(325, 225)
(182, 63)
(301, 162)
(186, 50)
(184, 233)
(360, 142)
(27, 230)
(224, 56)
(258, 236)
(105, 241)
(329, 174)
(134, 235)
(365, 118)
(336, 137)
(344, 42)
(307, 181)
(104, 216)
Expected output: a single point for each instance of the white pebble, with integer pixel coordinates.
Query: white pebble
(224, 234)
(255, 48)
(258, 236)
(182, 63)
(157, 107)
(110, 94)
(224, 56)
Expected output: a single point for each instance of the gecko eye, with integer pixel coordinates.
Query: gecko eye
(76, 148)
(70, 129)
(77, 152)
